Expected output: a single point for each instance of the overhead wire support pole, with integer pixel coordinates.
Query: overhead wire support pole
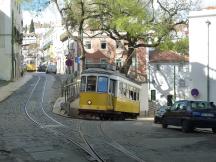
(208, 81)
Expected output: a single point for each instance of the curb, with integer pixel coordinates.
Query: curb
(66, 109)
(8, 89)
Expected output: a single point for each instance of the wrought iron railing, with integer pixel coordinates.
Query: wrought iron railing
(71, 91)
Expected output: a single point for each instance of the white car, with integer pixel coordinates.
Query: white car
(51, 68)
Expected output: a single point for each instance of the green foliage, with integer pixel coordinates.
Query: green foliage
(147, 21)
(181, 46)
(32, 28)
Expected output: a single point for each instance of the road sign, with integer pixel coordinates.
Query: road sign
(77, 60)
(69, 62)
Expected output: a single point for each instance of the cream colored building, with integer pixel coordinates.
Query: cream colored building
(10, 39)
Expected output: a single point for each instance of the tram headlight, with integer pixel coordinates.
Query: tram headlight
(89, 102)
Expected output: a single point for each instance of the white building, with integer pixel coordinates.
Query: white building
(29, 47)
(202, 49)
(169, 77)
(10, 39)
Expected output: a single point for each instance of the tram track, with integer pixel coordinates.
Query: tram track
(118, 146)
(74, 135)
(87, 148)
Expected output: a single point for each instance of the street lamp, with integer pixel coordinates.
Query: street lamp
(208, 85)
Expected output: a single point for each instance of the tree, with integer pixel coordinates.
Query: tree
(32, 29)
(74, 15)
(140, 23)
(180, 46)
(25, 29)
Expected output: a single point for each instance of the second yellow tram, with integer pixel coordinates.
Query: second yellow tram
(31, 65)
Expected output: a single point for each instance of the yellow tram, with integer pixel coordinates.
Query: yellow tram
(108, 94)
(31, 65)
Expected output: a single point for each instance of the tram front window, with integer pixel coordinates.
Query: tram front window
(102, 84)
(91, 83)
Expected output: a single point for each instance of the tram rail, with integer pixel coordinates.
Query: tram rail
(118, 146)
(88, 149)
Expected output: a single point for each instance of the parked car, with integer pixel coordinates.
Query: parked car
(51, 68)
(190, 115)
(159, 114)
(42, 68)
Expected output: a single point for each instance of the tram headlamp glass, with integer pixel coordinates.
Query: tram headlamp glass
(89, 102)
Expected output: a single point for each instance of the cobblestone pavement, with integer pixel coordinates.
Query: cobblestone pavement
(23, 140)
(29, 131)
(154, 144)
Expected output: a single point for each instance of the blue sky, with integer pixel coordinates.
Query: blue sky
(35, 5)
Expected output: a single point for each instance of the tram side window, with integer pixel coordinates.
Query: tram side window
(131, 95)
(91, 83)
(102, 84)
(112, 86)
(83, 83)
(135, 96)
(125, 90)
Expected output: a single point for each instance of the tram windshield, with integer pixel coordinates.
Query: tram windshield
(102, 84)
(91, 83)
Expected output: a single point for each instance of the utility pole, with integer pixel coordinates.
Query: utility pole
(174, 82)
(208, 83)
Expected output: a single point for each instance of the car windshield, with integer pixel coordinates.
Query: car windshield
(202, 105)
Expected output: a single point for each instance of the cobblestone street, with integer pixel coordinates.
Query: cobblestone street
(29, 131)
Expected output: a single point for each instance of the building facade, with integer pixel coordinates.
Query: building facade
(169, 77)
(10, 39)
(202, 31)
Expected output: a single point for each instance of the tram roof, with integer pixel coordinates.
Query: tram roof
(109, 72)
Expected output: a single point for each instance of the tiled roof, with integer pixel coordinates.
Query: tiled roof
(96, 55)
(167, 57)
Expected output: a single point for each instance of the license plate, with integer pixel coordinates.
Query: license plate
(207, 115)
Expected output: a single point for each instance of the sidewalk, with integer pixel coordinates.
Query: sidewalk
(7, 89)
(4, 83)
(66, 110)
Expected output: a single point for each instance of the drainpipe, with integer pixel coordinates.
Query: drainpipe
(12, 47)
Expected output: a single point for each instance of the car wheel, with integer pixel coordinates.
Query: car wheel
(155, 120)
(214, 130)
(164, 124)
(186, 126)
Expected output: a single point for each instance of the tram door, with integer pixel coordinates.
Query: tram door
(112, 91)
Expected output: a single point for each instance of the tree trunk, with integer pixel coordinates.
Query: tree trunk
(125, 68)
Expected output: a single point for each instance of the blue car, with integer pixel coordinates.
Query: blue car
(190, 115)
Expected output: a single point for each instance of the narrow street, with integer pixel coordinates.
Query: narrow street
(29, 131)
